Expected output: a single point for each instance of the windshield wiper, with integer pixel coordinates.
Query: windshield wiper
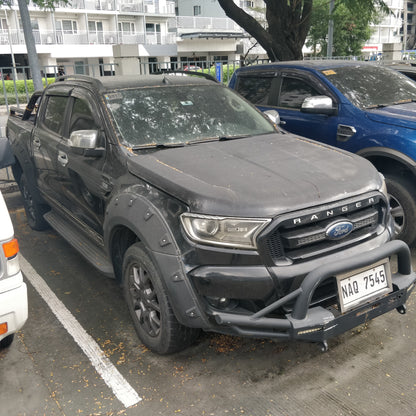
(158, 146)
(407, 100)
(225, 138)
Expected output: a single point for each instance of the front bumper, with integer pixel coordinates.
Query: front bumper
(317, 324)
(14, 308)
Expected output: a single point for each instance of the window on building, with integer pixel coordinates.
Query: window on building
(221, 58)
(95, 26)
(246, 3)
(34, 24)
(67, 26)
(3, 24)
(152, 28)
(197, 10)
(127, 28)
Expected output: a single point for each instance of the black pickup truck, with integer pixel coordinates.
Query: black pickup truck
(208, 215)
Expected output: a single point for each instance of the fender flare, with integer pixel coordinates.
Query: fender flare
(391, 154)
(137, 213)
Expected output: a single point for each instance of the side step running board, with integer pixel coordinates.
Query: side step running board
(81, 243)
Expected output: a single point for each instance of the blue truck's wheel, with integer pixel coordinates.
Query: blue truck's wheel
(402, 198)
(153, 318)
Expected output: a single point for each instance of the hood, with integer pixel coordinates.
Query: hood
(256, 177)
(402, 115)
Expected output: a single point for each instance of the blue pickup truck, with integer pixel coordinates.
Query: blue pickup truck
(361, 107)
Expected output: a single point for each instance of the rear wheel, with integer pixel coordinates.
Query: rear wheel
(402, 198)
(153, 318)
(34, 210)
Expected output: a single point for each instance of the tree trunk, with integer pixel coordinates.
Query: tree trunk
(288, 25)
(30, 45)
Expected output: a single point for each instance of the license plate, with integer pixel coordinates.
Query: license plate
(363, 285)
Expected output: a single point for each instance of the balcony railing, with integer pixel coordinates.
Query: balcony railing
(49, 37)
(137, 6)
(202, 23)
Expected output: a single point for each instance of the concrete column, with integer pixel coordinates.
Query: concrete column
(126, 58)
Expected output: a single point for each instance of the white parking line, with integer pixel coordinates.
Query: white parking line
(104, 367)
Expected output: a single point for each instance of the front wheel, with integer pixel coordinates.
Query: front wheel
(402, 199)
(153, 318)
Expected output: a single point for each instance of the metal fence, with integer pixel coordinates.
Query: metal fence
(16, 85)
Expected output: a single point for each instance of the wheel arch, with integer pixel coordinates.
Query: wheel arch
(388, 160)
(132, 218)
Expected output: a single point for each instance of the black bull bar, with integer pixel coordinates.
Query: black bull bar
(318, 324)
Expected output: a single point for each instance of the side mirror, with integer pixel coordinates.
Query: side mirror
(83, 139)
(273, 116)
(85, 142)
(320, 104)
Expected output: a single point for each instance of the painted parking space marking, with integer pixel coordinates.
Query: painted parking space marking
(104, 367)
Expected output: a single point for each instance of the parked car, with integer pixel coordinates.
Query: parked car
(361, 107)
(13, 291)
(192, 68)
(207, 215)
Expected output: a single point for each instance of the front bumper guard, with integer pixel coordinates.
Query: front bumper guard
(318, 324)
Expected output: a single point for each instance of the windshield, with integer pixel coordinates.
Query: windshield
(174, 114)
(372, 86)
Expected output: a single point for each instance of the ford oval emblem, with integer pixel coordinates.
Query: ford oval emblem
(339, 230)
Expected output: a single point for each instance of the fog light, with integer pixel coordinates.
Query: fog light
(217, 302)
(3, 328)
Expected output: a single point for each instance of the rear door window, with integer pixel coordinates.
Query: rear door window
(256, 89)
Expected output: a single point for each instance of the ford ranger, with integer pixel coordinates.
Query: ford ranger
(207, 214)
(361, 107)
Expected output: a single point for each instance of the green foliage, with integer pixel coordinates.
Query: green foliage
(351, 26)
(227, 72)
(23, 90)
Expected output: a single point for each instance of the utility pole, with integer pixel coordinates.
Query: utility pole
(330, 30)
(30, 45)
(11, 46)
(404, 28)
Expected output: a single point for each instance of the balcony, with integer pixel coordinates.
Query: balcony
(123, 6)
(48, 37)
(202, 23)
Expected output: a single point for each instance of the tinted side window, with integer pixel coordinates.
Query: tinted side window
(255, 89)
(81, 118)
(294, 91)
(54, 114)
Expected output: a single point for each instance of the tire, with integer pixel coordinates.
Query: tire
(6, 342)
(148, 303)
(402, 198)
(34, 210)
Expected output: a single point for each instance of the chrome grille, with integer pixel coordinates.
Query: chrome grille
(303, 235)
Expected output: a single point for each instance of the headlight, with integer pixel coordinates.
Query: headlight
(383, 188)
(221, 231)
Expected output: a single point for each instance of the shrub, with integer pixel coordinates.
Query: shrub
(21, 89)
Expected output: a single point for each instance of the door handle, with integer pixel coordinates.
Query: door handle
(63, 158)
(36, 142)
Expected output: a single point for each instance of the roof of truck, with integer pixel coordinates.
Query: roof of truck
(110, 83)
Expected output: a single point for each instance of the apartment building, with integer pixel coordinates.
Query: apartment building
(82, 34)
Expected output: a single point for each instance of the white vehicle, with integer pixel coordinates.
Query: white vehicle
(13, 291)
